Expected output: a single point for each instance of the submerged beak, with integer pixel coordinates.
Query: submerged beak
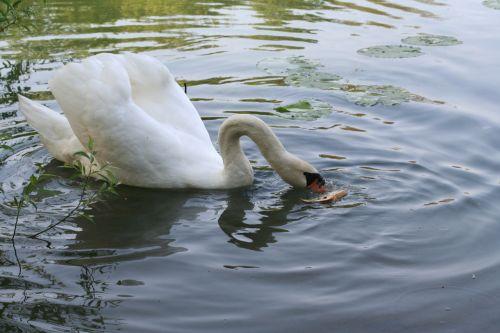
(315, 182)
(317, 186)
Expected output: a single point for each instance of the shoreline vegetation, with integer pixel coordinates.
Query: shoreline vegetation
(15, 12)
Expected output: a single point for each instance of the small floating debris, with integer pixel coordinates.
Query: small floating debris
(391, 51)
(129, 282)
(431, 40)
(329, 197)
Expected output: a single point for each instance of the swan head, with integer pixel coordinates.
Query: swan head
(300, 174)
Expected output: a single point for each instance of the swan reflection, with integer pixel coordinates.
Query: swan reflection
(138, 224)
(251, 227)
(134, 226)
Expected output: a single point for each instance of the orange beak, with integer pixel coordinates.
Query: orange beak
(317, 186)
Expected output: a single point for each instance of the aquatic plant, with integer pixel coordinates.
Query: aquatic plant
(304, 110)
(431, 40)
(391, 51)
(302, 72)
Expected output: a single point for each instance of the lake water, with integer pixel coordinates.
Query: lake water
(408, 123)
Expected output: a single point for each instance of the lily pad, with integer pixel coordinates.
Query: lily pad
(371, 95)
(494, 4)
(301, 72)
(391, 51)
(284, 66)
(312, 79)
(304, 110)
(431, 40)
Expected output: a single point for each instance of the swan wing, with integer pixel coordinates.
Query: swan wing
(146, 148)
(156, 92)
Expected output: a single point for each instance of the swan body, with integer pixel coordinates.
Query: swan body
(144, 125)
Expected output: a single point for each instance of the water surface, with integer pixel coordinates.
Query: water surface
(364, 90)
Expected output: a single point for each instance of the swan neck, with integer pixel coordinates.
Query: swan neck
(236, 164)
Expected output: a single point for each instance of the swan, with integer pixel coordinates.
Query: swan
(147, 129)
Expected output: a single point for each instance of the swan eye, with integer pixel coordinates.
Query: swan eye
(312, 178)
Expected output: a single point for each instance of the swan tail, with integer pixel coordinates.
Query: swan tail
(54, 129)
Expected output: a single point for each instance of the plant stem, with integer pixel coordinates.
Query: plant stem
(17, 220)
(80, 201)
(17, 258)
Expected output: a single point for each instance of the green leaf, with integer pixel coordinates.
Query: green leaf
(66, 166)
(83, 154)
(88, 217)
(90, 144)
(31, 202)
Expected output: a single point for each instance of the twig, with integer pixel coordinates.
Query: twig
(80, 201)
(17, 220)
(17, 258)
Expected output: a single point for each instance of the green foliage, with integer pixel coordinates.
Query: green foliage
(14, 12)
(26, 197)
(13, 75)
(85, 169)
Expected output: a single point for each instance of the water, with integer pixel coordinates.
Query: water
(412, 133)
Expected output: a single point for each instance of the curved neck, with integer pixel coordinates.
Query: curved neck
(237, 168)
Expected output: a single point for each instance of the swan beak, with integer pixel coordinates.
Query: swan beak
(317, 186)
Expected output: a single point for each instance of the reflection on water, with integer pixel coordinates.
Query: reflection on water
(413, 139)
(254, 233)
(130, 230)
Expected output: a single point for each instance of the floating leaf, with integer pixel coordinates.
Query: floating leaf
(494, 4)
(370, 95)
(304, 110)
(301, 72)
(391, 51)
(431, 40)
(285, 66)
(317, 80)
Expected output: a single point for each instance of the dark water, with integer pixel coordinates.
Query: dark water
(413, 248)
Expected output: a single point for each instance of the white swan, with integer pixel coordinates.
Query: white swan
(149, 131)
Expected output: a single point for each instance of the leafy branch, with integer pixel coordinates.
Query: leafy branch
(26, 198)
(12, 12)
(85, 168)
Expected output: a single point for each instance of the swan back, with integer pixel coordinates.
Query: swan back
(140, 119)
